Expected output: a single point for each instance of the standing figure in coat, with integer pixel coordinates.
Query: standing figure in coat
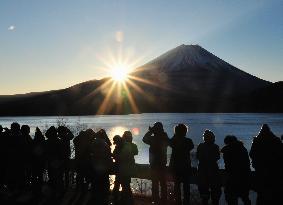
(180, 163)
(65, 136)
(55, 167)
(237, 168)
(208, 172)
(16, 158)
(38, 158)
(158, 141)
(127, 167)
(27, 154)
(267, 159)
(101, 164)
(82, 144)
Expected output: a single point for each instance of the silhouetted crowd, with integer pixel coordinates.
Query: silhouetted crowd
(30, 163)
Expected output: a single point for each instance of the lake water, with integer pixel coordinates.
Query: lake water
(244, 126)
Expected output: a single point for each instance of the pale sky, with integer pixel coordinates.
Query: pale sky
(47, 45)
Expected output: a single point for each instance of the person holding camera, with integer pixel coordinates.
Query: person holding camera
(158, 141)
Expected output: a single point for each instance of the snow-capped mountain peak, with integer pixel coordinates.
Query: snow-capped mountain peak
(187, 56)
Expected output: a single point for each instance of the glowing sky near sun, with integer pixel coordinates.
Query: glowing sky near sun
(54, 44)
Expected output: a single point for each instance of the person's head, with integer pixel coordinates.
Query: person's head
(208, 136)
(38, 135)
(181, 130)
(82, 133)
(62, 130)
(157, 127)
(90, 133)
(25, 129)
(265, 129)
(117, 139)
(101, 134)
(229, 139)
(15, 127)
(51, 133)
(81, 136)
(127, 136)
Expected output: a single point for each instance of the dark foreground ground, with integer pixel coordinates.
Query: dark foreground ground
(71, 197)
(75, 197)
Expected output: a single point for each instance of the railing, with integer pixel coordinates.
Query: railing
(142, 171)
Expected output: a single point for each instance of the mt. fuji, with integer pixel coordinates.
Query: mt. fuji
(187, 78)
(186, 56)
(191, 67)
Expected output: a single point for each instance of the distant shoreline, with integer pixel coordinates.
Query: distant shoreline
(60, 116)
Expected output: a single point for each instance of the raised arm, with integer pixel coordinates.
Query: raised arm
(147, 139)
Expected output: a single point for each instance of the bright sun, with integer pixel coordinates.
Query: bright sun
(119, 73)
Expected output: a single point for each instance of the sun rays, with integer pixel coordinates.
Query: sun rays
(119, 92)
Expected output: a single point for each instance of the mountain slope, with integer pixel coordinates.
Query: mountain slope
(192, 69)
(187, 78)
(268, 99)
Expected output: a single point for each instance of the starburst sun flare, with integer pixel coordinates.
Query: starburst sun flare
(121, 89)
(120, 72)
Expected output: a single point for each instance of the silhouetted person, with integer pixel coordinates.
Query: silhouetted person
(82, 143)
(127, 166)
(103, 135)
(158, 141)
(118, 142)
(38, 158)
(65, 136)
(237, 168)
(54, 157)
(27, 149)
(101, 164)
(180, 162)
(209, 184)
(266, 155)
(18, 156)
(15, 166)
